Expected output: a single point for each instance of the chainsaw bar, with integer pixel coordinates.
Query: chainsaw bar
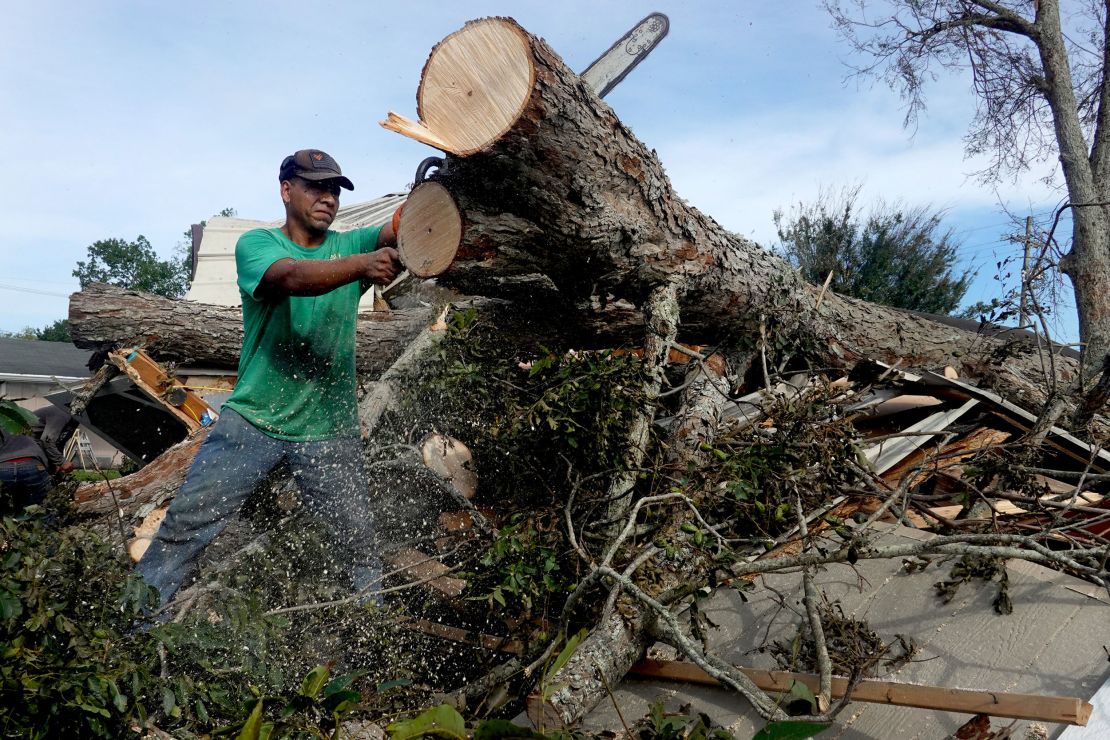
(622, 57)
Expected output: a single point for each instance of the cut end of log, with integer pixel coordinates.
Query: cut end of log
(475, 85)
(137, 547)
(451, 460)
(430, 231)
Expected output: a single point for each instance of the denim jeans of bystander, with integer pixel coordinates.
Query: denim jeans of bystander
(24, 483)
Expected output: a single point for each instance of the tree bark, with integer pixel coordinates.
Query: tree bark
(204, 334)
(1088, 264)
(563, 188)
(156, 482)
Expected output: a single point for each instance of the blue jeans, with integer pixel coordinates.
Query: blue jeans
(236, 456)
(26, 482)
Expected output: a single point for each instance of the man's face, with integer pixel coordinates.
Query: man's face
(312, 202)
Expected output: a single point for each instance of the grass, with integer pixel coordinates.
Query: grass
(87, 475)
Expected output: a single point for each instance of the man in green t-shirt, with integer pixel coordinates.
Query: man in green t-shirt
(294, 401)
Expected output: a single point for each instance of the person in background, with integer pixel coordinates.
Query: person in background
(29, 462)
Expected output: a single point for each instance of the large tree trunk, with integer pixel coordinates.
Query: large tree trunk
(547, 179)
(543, 177)
(1088, 264)
(156, 482)
(204, 334)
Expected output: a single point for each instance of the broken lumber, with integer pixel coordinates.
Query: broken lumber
(162, 387)
(1067, 710)
(427, 570)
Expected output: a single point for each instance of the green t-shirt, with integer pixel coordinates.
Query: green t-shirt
(297, 367)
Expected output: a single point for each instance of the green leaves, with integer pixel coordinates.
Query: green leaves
(314, 682)
(897, 256)
(252, 728)
(63, 652)
(442, 721)
(132, 265)
(791, 730)
(503, 729)
(15, 419)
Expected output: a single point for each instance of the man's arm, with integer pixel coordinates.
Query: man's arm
(290, 277)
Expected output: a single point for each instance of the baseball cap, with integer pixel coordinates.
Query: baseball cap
(313, 164)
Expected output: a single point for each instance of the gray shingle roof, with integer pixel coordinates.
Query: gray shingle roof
(29, 357)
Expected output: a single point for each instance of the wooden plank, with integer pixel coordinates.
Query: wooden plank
(422, 567)
(457, 634)
(1069, 710)
(1059, 438)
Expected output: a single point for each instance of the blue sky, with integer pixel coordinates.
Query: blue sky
(127, 118)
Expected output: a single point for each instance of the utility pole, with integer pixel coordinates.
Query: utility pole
(1026, 289)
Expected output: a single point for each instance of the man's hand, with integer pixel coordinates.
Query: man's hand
(382, 265)
(66, 467)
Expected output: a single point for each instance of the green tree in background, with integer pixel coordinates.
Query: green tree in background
(133, 265)
(55, 332)
(894, 256)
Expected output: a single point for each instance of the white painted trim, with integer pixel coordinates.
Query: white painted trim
(18, 378)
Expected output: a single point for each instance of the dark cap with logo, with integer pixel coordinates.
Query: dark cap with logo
(312, 164)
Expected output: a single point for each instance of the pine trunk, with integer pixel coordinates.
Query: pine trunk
(545, 178)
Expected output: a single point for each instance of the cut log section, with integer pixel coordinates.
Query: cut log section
(430, 231)
(474, 86)
(451, 460)
(137, 547)
(189, 332)
(144, 534)
(157, 481)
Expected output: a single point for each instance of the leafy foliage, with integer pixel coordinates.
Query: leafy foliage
(790, 730)
(133, 265)
(659, 724)
(757, 475)
(524, 569)
(70, 663)
(894, 256)
(14, 419)
(319, 704)
(55, 332)
(551, 409)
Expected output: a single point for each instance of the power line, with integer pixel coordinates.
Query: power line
(35, 291)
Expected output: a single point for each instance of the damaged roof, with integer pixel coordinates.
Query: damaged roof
(1049, 645)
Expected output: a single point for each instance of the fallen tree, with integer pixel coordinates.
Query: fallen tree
(206, 334)
(544, 179)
